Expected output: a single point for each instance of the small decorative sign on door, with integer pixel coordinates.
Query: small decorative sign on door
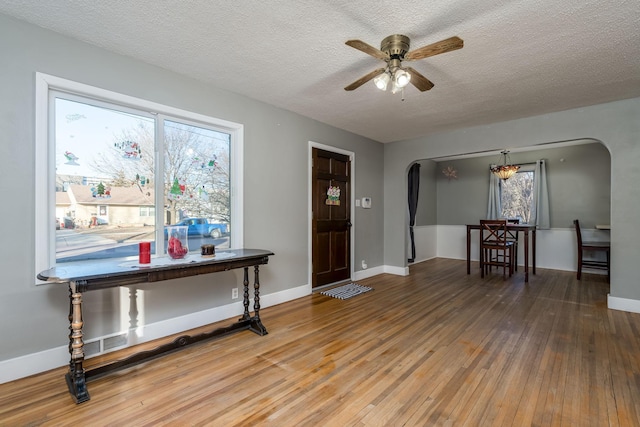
(333, 196)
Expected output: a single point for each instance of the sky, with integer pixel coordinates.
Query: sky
(86, 131)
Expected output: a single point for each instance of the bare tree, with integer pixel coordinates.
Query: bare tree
(196, 163)
(123, 169)
(517, 196)
(200, 162)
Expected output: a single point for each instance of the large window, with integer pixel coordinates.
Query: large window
(516, 195)
(115, 170)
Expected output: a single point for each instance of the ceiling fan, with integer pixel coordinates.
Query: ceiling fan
(393, 50)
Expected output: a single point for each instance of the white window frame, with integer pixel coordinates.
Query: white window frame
(45, 254)
(527, 167)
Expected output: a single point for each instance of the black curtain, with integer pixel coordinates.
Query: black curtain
(414, 186)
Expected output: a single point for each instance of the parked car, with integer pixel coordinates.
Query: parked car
(101, 221)
(68, 222)
(200, 227)
(57, 223)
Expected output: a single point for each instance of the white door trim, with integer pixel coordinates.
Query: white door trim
(352, 158)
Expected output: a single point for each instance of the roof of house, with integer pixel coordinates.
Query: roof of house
(62, 198)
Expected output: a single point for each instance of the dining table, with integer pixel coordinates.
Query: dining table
(526, 230)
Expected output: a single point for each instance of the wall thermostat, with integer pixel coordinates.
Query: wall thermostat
(366, 202)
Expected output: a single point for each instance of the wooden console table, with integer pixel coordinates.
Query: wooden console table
(89, 276)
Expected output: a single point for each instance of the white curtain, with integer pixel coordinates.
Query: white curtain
(494, 208)
(540, 206)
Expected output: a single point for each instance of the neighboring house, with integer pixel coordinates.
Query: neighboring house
(119, 205)
(63, 205)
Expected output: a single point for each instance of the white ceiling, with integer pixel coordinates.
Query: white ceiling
(520, 58)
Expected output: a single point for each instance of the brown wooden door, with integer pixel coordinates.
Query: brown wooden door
(331, 224)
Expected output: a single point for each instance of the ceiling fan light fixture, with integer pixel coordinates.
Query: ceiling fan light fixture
(393, 50)
(401, 78)
(382, 81)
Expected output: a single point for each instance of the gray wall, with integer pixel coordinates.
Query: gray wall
(615, 124)
(34, 318)
(578, 178)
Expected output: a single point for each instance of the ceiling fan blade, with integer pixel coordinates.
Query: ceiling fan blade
(418, 80)
(362, 80)
(443, 46)
(367, 48)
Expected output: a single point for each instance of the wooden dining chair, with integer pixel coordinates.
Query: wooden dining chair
(512, 236)
(597, 247)
(493, 240)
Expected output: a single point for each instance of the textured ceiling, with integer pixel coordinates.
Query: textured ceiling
(520, 58)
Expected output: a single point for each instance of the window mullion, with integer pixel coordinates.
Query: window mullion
(159, 182)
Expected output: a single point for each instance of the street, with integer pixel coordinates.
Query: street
(115, 242)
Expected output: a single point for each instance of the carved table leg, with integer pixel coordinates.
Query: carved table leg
(256, 323)
(75, 377)
(70, 321)
(245, 295)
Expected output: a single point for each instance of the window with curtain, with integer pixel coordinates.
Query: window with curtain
(516, 195)
(524, 196)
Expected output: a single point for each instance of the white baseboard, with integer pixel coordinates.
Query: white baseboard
(34, 363)
(623, 304)
(398, 271)
(30, 364)
(370, 272)
(418, 261)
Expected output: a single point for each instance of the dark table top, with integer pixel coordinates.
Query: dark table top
(521, 226)
(128, 270)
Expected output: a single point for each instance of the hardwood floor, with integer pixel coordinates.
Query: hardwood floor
(436, 348)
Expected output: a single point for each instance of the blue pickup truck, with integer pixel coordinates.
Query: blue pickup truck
(201, 227)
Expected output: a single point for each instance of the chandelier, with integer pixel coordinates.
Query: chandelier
(505, 170)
